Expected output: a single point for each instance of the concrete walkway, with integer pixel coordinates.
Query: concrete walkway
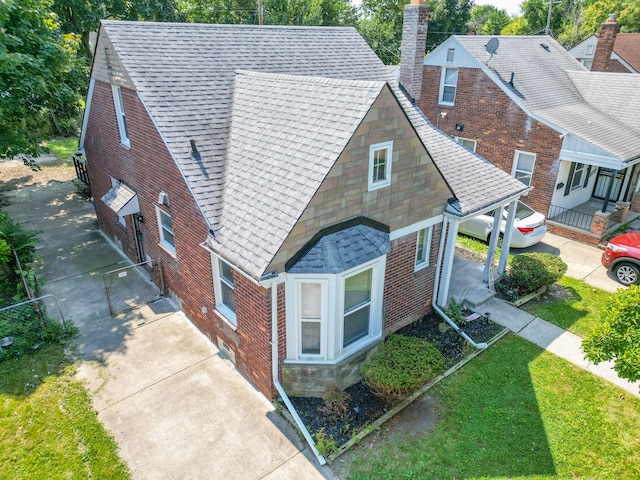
(467, 275)
(176, 407)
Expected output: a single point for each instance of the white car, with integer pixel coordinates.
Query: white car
(528, 228)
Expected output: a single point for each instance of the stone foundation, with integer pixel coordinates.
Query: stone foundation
(310, 380)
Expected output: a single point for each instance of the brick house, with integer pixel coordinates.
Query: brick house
(609, 50)
(536, 113)
(294, 197)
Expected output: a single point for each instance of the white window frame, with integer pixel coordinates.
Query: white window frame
(515, 170)
(218, 279)
(164, 243)
(120, 115)
(580, 169)
(332, 327)
(587, 62)
(443, 76)
(424, 244)
(461, 141)
(590, 49)
(386, 181)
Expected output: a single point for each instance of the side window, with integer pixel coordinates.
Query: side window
(380, 165)
(165, 228)
(224, 289)
(423, 248)
(523, 163)
(448, 85)
(122, 119)
(465, 142)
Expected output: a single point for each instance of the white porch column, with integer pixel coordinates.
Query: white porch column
(506, 240)
(493, 243)
(447, 264)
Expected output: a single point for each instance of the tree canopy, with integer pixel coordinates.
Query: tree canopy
(617, 336)
(40, 77)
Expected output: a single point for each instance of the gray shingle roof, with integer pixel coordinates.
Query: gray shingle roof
(286, 134)
(186, 76)
(557, 88)
(340, 251)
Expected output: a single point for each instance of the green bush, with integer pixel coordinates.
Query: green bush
(401, 366)
(617, 336)
(530, 271)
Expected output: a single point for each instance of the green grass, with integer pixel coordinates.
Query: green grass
(578, 312)
(517, 411)
(62, 147)
(473, 244)
(47, 426)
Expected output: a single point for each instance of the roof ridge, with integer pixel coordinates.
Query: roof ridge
(226, 25)
(310, 79)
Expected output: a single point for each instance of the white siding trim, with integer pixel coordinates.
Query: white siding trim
(404, 231)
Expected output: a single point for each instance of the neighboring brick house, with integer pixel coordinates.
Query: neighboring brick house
(539, 115)
(609, 50)
(292, 194)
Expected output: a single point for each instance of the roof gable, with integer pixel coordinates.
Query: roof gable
(286, 133)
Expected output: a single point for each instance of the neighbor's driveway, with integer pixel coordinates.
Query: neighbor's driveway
(176, 407)
(583, 261)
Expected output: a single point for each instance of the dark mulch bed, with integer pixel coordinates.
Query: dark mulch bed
(364, 407)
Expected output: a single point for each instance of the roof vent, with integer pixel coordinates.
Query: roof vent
(194, 150)
(545, 46)
(513, 74)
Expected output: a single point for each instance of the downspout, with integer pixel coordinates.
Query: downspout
(436, 285)
(274, 370)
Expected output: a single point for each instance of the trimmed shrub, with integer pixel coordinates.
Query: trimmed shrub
(400, 367)
(530, 271)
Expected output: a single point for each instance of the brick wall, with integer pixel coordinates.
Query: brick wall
(148, 168)
(407, 293)
(498, 125)
(414, 37)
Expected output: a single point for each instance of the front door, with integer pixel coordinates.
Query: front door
(602, 184)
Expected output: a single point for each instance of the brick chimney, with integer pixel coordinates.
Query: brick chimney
(604, 47)
(414, 39)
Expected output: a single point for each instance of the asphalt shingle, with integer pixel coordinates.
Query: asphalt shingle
(187, 77)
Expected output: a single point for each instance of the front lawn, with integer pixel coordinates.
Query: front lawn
(570, 304)
(517, 411)
(47, 425)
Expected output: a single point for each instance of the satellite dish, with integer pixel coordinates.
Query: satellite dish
(492, 46)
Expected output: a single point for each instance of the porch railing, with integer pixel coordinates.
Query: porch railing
(572, 218)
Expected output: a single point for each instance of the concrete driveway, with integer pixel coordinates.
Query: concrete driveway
(176, 407)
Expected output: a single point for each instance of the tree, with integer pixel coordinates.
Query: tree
(39, 77)
(83, 16)
(517, 26)
(617, 336)
(595, 14)
(488, 20)
(381, 24)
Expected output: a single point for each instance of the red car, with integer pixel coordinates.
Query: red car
(622, 257)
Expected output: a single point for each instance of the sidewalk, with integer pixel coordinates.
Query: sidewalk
(176, 407)
(566, 345)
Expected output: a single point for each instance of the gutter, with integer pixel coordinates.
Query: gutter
(274, 371)
(436, 285)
